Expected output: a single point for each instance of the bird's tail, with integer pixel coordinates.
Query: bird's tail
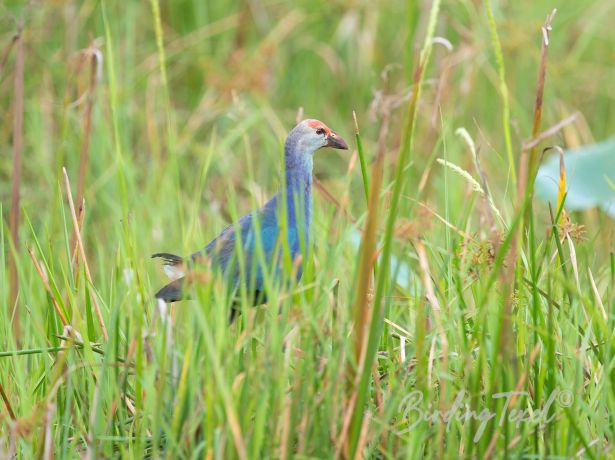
(174, 269)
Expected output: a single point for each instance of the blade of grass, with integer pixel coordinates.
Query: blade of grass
(361, 157)
(360, 309)
(18, 109)
(377, 316)
(499, 58)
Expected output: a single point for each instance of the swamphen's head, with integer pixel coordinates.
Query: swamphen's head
(311, 135)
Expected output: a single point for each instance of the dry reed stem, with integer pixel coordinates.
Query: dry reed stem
(75, 252)
(329, 196)
(597, 294)
(379, 403)
(45, 280)
(528, 165)
(362, 437)
(361, 308)
(7, 403)
(16, 176)
(551, 131)
(7, 52)
(89, 439)
(527, 173)
(94, 54)
(83, 256)
(457, 230)
(435, 310)
(48, 434)
(285, 429)
(342, 442)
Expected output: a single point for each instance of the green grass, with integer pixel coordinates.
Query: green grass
(188, 118)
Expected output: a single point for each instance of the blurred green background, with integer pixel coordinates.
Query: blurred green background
(191, 101)
(246, 67)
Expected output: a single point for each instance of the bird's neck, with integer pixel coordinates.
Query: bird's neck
(298, 172)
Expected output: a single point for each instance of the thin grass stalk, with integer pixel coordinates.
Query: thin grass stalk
(7, 403)
(528, 167)
(535, 306)
(36, 351)
(45, 280)
(368, 246)
(435, 311)
(47, 430)
(119, 157)
(225, 394)
(160, 48)
(7, 51)
(163, 72)
(361, 307)
(572, 419)
(342, 444)
(16, 177)
(533, 159)
(560, 251)
(361, 157)
(499, 58)
(171, 135)
(75, 246)
(178, 419)
(88, 275)
(362, 436)
(331, 198)
(524, 195)
(95, 55)
(377, 314)
(513, 400)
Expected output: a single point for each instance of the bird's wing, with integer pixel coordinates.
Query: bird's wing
(222, 250)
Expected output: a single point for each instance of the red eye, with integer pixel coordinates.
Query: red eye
(320, 131)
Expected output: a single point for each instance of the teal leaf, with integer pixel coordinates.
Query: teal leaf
(590, 175)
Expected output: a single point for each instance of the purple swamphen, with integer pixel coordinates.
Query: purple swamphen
(301, 143)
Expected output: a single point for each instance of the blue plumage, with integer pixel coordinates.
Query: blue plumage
(222, 251)
(301, 143)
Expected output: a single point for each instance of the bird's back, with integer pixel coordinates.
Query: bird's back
(229, 255)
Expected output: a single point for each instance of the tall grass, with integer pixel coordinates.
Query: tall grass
(420, 307)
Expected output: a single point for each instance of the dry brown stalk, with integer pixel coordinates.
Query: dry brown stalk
(94, 54)
(435, 311)
(15, 191)
(361, 308)
(45, 280)
(7, 403)
(525, 186)
(83, 256)
(7, 52)
(528, 165)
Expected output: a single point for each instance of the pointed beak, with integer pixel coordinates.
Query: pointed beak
(336, 142)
